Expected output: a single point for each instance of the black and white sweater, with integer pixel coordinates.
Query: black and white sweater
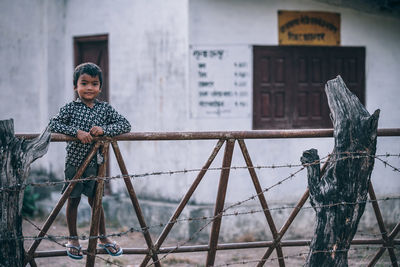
(76, 116)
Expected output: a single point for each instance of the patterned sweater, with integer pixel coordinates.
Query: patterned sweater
(76, 116)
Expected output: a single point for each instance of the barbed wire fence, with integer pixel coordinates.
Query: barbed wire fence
(54, 239)
(224, 213)
(18, 187)
(202, 218)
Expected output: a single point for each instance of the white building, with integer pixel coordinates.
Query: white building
(153, 53)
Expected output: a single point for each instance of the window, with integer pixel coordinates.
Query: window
(289, 83)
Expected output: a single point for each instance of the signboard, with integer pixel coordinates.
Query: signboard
(308, 28)
(220, 81)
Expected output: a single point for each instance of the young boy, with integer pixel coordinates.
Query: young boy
(84, 118)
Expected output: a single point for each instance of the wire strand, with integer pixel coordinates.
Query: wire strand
(349, 155)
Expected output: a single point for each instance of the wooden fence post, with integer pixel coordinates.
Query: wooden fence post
(339, 196)
(16, 156)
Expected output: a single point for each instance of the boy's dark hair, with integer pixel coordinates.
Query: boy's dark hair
(90, 69)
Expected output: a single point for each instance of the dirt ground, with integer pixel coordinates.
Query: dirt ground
(243, 257)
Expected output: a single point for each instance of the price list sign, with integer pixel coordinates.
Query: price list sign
(220, 81)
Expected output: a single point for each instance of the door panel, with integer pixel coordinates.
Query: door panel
(311, 110)
(350, 64)
(289, 83)
(271, 104)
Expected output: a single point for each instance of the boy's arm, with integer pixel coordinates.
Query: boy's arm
(61, 122)
(116, 123)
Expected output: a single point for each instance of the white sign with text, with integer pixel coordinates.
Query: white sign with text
(220, 81)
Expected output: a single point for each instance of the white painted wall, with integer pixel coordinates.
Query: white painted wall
(255, 22)
(148, 54)
(32, 52)
(24, 54)
(148, 46)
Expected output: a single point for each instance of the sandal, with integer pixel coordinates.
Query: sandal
(111, 245)
(74, 256)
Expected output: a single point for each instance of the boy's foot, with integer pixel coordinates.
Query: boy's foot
(74, 251)
(112, 248)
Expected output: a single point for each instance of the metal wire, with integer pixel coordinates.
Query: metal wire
(51, 238)
(349, 155)
(223, 212)
(191, 219)
(208, 220)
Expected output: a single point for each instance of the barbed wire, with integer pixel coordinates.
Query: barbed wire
(388, 164)
(262, 192)
(235, 204)
(208, 220)
(221, 215)
(132, 176)
(363, 154)
(48, 183)
(211, 219)
(63, 246)
(184, 243)
(248, 199)
(241, 202)
(51, 238)
(258, 260)
(202, 218)
(253, 197)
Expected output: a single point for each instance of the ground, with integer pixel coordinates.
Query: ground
(294, 256)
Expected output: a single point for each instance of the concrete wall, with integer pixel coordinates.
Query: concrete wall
(148, 43)
(31, 48)
(255, 22)
(32, 78)
(149, 79)
(148, 56)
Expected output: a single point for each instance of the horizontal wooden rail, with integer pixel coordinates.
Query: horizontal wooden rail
(256, 134)
(227, 246)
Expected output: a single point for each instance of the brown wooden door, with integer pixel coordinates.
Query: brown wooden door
(289, 81)
(272, 69)
(310, 106)
(94, 49)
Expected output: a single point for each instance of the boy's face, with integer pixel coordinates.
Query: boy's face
(88, 87)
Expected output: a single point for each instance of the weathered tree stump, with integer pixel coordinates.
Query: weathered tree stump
(339, 196)
(16, 156)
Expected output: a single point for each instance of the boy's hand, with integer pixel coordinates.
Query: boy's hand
(84, 137)
(96, 131)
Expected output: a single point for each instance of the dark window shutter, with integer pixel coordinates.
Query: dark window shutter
(271, 98)
(289, 81)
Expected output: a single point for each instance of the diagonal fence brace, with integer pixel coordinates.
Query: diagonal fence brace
(185, 200)
(262, 200)
(60, 204)
(382, 229)
(289, 221)
(220, 201)
(135, 202)
(96, 209)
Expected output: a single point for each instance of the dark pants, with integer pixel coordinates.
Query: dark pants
(86, 187)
